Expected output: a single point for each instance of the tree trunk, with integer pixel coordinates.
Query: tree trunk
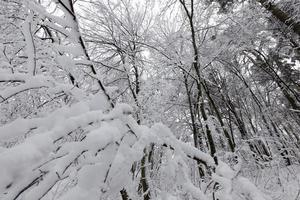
(282, 16)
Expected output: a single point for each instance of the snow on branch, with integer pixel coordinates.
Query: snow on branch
(30, 47)
(16, 77)
(111, 143)
(30, 83)
(89, 149)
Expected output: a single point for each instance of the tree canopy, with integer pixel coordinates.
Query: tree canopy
(162, 100)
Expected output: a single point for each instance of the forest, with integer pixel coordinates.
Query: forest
(149, 99)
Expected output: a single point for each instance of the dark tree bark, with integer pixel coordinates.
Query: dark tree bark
(196, 67)
(282, 16)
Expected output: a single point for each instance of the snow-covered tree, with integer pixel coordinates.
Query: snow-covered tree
(66, 133)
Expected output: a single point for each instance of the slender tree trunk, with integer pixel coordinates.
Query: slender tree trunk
(195, 128)
(143, 181)
(218, 114)
(196, 67)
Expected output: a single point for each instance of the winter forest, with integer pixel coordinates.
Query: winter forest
(149, 99)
